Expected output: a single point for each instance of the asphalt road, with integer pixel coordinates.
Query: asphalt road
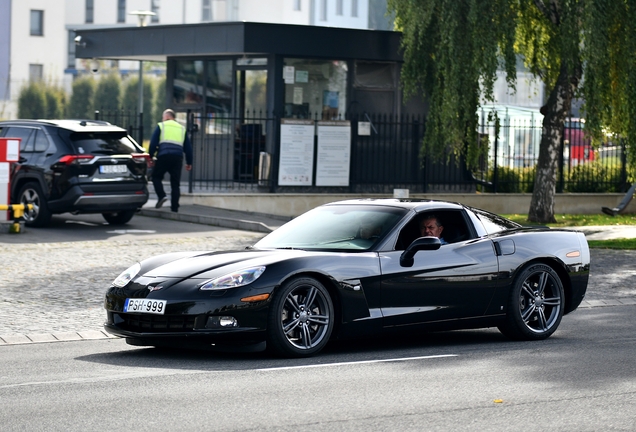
(581, 379)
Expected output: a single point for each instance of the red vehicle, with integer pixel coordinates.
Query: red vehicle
(579, 146)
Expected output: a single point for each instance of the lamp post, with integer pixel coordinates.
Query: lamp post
(141, 22)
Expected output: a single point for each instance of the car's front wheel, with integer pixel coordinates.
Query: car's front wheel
(536, 304)
(301, 318)
(119, 218)
(39, 215)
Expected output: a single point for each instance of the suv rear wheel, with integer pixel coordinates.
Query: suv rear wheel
(119, 218)
(39, 215)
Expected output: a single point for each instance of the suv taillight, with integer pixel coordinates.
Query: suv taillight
(141, 157)
(77, 159)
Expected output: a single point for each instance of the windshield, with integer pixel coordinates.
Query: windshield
(336, 227)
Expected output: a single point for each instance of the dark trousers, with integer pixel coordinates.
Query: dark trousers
(170, 164)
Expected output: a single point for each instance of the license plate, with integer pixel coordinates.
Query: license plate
(145, 306)
(109, 169)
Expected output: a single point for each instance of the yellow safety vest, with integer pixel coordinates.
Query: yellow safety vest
(172, 133)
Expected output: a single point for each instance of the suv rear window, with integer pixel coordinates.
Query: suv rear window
(103, 143)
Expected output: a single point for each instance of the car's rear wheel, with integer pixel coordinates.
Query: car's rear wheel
(119, 218)
(301, 318)
(536, 304)
(39, 215)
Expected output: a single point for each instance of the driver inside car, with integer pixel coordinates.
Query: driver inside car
(431, 227)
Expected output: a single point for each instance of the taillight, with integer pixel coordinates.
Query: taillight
(77, 159)
(141, 157)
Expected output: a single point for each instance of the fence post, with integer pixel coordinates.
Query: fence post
(624, 186)
(141, 128)
(495, 169)
(561, 184)
(190, 130)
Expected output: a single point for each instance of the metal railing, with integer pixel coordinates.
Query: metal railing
(230, 154)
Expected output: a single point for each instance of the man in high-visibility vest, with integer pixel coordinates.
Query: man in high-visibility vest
(170, 142)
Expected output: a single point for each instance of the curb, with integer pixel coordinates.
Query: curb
(24, 339)
(238, 224)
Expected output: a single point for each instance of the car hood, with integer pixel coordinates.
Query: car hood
(212, 264)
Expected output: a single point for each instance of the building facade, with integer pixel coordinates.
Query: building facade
(37, 36)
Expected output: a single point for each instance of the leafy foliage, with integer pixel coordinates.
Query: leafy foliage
(81, 104)
(108, 92)
(610, 70)
(130, 100)
(32, 101)
(55, 102)
(452, 49)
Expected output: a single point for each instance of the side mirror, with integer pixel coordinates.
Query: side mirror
(422, 243)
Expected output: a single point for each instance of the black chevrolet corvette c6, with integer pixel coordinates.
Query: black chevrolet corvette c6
(356, 268)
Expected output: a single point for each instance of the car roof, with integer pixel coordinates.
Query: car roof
(407, 203)
(78, 125)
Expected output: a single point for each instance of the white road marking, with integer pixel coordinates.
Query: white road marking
(359, 362)
(131, 231)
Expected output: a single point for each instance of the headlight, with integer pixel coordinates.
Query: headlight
(234, 279)
(127, 275)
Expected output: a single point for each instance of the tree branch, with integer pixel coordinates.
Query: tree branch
(552, 14)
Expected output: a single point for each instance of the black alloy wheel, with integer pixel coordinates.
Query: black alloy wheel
(536, 304)
(301, 318)
(119, 218)
(39, 215)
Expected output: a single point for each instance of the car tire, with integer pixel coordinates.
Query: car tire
(119, 218)
(301, 318)
(39, 215)
(536, 304)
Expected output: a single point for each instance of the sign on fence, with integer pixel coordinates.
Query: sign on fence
(296, 162)
(334, 153)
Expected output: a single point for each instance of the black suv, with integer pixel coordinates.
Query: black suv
(77, 166)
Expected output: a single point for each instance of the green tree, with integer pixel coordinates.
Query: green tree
(55, 102)
(453, 48)
(130, 100)
(32, 102)
(159, 103)
(81, 103)
(108, 93)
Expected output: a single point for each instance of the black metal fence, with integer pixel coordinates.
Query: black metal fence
(231, 154)
(513, 154)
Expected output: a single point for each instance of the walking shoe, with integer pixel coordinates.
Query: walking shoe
(161, 202)
(174, 210)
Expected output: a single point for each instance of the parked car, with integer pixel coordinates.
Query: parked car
(77, 166)
(352, 269)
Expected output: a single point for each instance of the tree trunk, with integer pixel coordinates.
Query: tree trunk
(555, 112)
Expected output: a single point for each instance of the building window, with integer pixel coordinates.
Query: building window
(339, 7)
(154, 7)
(37, 23)
(70, 64)
(318, 87)
(36, 72)
(296, 5)
(323, 10)
(206, 10)
(90, 12)
(121, 11)
(354, 8)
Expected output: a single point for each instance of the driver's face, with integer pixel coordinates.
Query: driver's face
(429, 227)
